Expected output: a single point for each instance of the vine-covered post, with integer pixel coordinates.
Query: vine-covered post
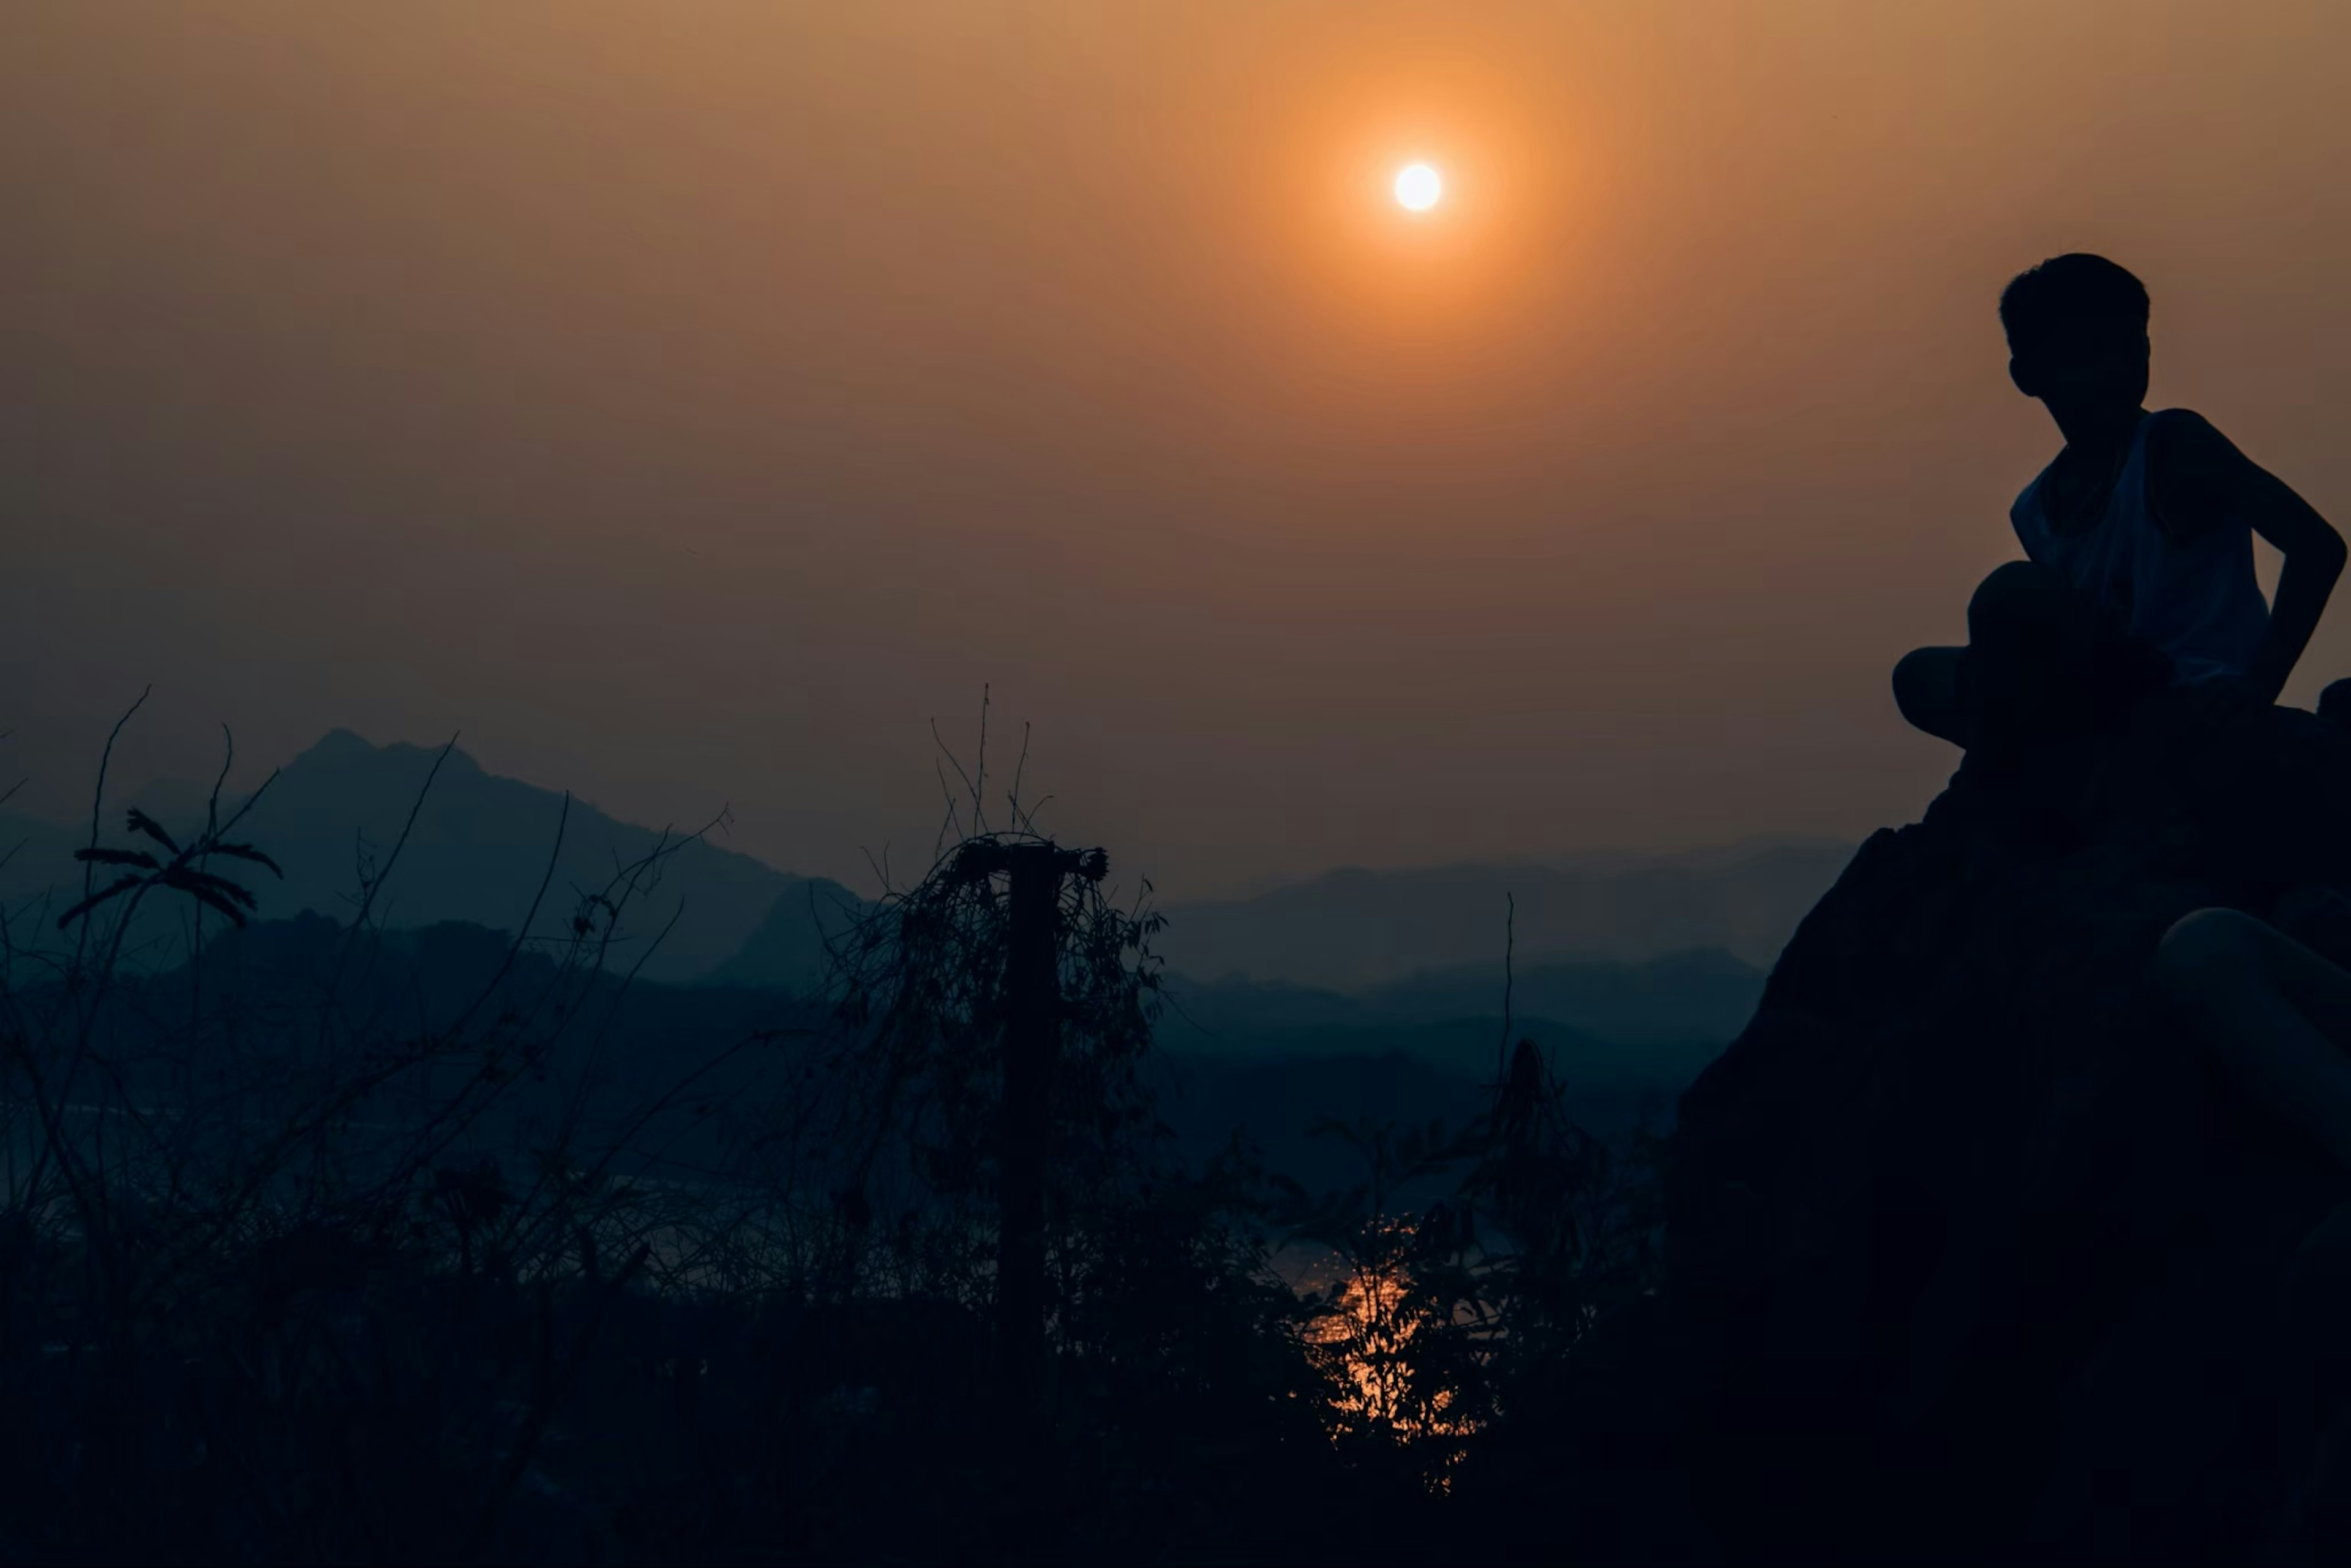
(1031, 1041)
(1032, 1029)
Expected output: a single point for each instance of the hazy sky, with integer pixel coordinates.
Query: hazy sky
(691, 401)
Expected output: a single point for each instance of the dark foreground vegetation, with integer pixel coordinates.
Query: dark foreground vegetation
(343, 1242)
(336, 1243)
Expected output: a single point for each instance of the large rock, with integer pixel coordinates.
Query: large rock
(1968, 1252)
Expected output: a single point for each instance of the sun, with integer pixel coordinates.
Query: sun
(1419, 187)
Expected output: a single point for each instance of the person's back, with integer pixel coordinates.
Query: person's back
(2190, 592)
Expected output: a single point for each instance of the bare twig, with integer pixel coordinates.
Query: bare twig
(1509, 951)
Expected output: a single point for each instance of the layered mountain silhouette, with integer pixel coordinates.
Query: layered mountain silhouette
(1350, 929)
(479, 849)
(1706, 996)
(1330, 966)
(1278, 1060)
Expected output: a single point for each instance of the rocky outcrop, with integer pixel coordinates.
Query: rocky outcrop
(1969, 1255)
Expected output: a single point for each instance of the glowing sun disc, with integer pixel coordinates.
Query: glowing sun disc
(1417, 187)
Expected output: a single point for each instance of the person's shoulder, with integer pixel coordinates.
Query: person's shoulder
(2182, 436)
(2190, 467)
(2025, 508)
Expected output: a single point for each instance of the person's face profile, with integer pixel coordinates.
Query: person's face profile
(2090, 367)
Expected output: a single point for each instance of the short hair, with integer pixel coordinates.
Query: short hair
(2071, 301)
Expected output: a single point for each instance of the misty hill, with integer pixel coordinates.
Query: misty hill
(1355, 928)
(1269, 1063)
(476, 855)
(1275, 1059)
(1706, 996)
(481, 842)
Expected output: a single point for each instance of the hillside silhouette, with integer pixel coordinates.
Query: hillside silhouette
(1398, 940)
(1352, 928)
(478, 850)
(1972, 1253)
(1707, 994)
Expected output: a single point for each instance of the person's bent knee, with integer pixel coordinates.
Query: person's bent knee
(2206, 949)
(1927, 691)
(1914, 678)
(2022, 591)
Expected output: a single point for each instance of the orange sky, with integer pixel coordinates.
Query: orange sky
(690, 401)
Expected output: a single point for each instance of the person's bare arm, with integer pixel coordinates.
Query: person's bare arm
(2204, 480)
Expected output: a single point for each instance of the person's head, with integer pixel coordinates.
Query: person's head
(2076, 329)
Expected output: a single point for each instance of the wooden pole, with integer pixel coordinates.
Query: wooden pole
(1031, 1049)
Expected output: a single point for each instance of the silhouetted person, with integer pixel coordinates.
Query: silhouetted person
(2139, 535)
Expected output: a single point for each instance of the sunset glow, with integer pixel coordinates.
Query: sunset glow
(1341, 780)
(892, 339)
(1419, 187)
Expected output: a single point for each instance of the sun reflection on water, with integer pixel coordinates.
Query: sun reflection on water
(1366, 1341)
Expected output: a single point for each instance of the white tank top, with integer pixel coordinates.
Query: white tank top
(2195, 598)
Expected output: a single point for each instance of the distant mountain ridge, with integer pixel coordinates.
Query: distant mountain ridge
(481, 843)
(1376, 994)
(1704, 997)
(1624, 1040)
(479, 849)
(1347, 930)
